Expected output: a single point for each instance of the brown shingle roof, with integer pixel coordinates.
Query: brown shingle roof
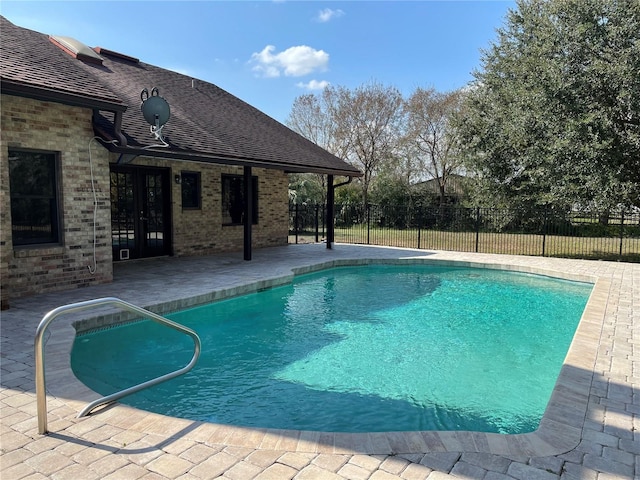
(207, 123)
(30, 62)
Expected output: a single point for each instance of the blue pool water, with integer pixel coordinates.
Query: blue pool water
(356, 349)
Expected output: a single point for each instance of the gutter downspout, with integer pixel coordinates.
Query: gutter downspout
(331, 207)
(117, 126)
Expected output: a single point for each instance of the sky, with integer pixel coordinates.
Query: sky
(267, 53)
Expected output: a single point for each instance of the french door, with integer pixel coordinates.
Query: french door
(140, 212)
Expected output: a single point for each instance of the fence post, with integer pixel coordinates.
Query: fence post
(477, 228)
(621, 232)
(316, 223)
(295, 223)
(368, 223)
(324, 215)
(545, 223)
(419, 225)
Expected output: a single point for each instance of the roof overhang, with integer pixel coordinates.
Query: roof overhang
(129, 152)
(19, 89)
(198, 157)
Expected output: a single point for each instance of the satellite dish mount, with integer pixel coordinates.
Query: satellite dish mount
(156, 112)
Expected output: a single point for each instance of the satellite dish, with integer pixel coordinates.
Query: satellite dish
(156, 112)
(155, 109)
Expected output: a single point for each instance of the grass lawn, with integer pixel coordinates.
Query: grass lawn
(600, 248)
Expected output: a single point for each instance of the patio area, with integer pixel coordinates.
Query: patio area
(591, 429)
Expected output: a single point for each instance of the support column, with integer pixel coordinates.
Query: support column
(330, 210)
(248, 211)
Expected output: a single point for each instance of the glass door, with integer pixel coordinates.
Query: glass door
(140, 222)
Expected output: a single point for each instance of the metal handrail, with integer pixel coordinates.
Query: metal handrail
(41, 393)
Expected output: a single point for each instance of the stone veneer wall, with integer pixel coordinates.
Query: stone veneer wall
(39, 125)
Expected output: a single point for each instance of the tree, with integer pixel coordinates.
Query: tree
(553, 115)
(309, 118)
(313, 117)
(361, 126)
(307, 189)
(368, 124)
(430, 135)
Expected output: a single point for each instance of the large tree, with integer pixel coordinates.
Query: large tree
(430, 138)
(310, 117)
(553, 116)
(369, 121)
(361, 126)
(313, 117)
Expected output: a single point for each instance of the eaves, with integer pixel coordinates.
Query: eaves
(130, 152)
(9, 87)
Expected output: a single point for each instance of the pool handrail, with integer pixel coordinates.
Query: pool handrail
(41, 393)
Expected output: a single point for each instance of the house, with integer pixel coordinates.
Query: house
(455, 189)
(104, 158)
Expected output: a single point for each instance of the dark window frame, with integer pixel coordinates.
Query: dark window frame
(232, 187)
(25, 204)
(186, 177)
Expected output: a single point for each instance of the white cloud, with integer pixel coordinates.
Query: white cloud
(292, 62)
(313, 85)
(327, 14)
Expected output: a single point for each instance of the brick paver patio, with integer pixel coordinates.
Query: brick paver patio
(591, 429)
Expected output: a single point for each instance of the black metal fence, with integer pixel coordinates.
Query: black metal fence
(544, 231)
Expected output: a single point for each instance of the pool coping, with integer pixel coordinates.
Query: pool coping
(560, 429)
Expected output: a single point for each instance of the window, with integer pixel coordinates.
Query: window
(34, 197)
(233, 199)
(190, 182)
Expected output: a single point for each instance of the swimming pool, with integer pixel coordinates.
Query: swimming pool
(358, 349)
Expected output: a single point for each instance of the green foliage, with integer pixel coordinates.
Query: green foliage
(306, 189)
(391, 190)
(350, 194)
(553, 117)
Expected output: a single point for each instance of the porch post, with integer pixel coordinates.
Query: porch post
(248, 211)
(330, 209)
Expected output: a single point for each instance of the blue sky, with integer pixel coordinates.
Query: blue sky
(269, 52)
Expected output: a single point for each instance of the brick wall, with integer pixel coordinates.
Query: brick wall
(67, 131)
(201, 232)
(33, 124)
